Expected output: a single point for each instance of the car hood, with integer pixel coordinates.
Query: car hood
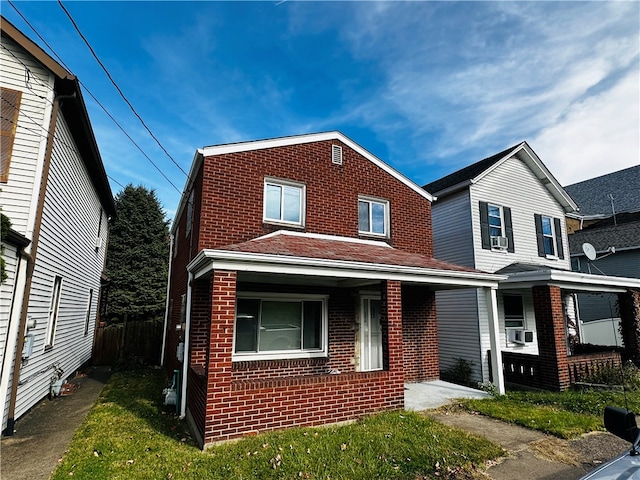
(624, 467)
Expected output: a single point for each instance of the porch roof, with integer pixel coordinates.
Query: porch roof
(294, 253)
(521, 275)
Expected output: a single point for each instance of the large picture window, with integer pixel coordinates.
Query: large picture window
(283, 202)
(283, 327)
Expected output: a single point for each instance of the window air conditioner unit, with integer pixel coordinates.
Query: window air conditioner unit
(516, 336)
(528, 336)
(501, 243)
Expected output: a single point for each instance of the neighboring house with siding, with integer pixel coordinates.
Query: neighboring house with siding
(609, 220)
(302, 286)
(506, 214)
(54, 190)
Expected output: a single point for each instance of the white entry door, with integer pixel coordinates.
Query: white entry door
(370, 335)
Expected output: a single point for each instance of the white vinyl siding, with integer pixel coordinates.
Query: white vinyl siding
(66, 248)
(19, 195)
(452, 235)
(525, 195)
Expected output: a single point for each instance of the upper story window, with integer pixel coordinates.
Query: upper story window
(10, 107)
(549, 236)
(495, 227)
(284, 202)
(275, 326)
(187, 229)
(373, 216)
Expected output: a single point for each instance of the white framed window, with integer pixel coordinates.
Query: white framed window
(52, 317)
(284, 202)
(496, 225)
(513, 310)
(280, 326)
(373, 216)
(88, 315)
(548, 236)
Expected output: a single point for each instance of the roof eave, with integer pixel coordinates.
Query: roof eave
(570, 280)
(208, 260)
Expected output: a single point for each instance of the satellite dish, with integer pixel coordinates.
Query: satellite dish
(589, 251)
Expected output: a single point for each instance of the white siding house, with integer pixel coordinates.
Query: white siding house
(506, 215)
(54, 190)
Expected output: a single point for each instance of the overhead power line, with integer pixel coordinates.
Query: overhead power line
(118, 88)
(95, 99)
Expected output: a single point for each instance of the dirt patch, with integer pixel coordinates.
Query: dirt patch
(555, 450)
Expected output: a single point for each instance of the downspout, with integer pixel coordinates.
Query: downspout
(187, 355)
(166, 306)
(17, 364)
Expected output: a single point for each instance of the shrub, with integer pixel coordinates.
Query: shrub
(460, 373)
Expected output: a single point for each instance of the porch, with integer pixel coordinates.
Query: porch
(437, 393)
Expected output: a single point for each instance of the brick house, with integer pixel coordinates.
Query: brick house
(302, 287)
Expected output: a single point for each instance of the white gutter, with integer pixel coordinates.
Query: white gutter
(166, 306)
(187, 356)
(571, 280)
(208, 260)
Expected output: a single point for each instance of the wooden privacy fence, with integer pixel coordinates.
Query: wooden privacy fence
(138, 339)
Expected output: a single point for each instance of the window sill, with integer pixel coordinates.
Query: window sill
(551, 257)
(276, 356)
(504, 251)
(275, 223)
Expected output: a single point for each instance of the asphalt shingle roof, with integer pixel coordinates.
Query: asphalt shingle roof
(467, 173)
(623, 235)
(340, 250)
(592, 196)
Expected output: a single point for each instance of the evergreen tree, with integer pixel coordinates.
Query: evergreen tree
(138, 256)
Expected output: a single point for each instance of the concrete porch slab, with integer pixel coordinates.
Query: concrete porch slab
(434, 394)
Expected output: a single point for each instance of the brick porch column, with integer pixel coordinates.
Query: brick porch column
(552, 346)
(629, 306)
(392, 299)
(223, 306)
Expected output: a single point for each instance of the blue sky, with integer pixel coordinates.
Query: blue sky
(428, 87)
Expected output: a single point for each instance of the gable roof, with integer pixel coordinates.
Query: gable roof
(297, 253)
(227, 148)
(74, 111)
(592, 196)
(473, 173)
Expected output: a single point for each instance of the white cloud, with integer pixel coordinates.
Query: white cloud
(596, 136)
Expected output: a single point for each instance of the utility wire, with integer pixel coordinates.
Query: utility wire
(95, 99)
(118, 88)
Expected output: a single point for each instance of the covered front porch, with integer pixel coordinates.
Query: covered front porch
(561, 359)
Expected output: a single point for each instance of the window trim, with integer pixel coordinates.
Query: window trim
(283, 354)
(54, 309)
(387, 220)
(87, 319)
(284, 183)
(506, 227)
(556, 236)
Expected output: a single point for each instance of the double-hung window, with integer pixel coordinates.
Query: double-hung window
(513, 310)
(549, 236)
(284, 202)
(274, 326)
(373, 216)
(496, 229)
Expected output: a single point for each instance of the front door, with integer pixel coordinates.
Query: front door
(370, 335)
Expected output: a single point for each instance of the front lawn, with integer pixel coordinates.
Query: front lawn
(565, 415)
(126, 436)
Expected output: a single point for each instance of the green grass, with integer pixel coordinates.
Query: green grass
(126, 436)
(565, 415)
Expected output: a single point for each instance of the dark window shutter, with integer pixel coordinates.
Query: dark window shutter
(539, 237)
(558, 230)
(10, 107)
(506, 211)
(484, 225)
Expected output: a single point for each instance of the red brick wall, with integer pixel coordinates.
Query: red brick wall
(233, 188)
(419, 334)
(552, 337)
(259, 396)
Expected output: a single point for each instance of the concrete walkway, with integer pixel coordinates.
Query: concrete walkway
(43, 434)
(434, 394)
